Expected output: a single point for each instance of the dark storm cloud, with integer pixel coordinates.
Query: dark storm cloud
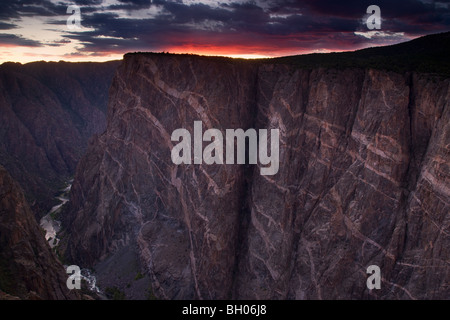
(12, 11)
(43, 8)
(352, 8)
(12, 39)
(131, 5)
(311, 23)
(197, 12)
(58, 43)
(413, 16)
(7, 26)
(20, 8)
(85, 2)
(113, 33)
(319, 24)
(137, 2)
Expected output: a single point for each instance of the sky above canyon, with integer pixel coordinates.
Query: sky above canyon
(33, 30)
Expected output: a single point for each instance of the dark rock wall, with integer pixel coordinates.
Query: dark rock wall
(363, 179)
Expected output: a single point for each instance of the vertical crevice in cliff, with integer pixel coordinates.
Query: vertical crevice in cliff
(399, 234)
(243, 224)
(414, 164)
(244, 215)
(297, 219)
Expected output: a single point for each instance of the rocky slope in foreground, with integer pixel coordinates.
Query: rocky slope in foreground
(364, 180)
(48, 111)
(28, 267)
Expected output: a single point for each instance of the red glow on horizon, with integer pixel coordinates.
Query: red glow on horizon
(234, 46)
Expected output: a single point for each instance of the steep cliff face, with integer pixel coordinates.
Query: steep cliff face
(48, 111)
(133, 192)
(28, 267)
(363, 180)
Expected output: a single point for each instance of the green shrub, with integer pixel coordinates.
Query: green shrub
(114, 293)
(138, 276)
(150, 294)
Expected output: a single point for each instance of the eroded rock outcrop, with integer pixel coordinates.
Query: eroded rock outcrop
(363, 180)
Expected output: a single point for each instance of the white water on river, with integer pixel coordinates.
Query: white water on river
(52, 227)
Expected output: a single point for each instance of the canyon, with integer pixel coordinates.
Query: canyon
(363, 180)
(363, 175)
(28, 267)
(48, 111)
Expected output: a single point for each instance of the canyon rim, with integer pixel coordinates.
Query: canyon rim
(362, 177)
(363, 180)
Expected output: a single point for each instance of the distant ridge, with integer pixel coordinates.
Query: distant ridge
(427, 54)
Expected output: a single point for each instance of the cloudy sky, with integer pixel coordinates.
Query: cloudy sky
(37, 30)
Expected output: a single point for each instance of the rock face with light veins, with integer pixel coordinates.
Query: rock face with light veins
(364, 180)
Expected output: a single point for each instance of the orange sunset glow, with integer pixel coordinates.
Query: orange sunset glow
(96, 30)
